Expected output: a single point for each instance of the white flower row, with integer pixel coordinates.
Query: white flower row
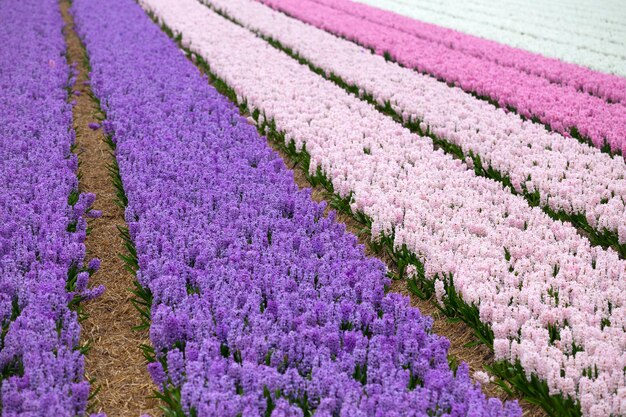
(610, 13)
(525, 271)
(548, 40)
(534, 17)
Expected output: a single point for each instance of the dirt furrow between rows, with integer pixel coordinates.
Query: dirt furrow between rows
(114, 363)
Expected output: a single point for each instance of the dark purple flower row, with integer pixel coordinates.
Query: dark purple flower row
(42, 229)
(260, 302)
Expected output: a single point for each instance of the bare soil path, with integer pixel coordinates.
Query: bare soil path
(115, 362)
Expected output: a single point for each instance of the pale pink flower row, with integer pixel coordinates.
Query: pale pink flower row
(456, 222)
(562, 107)
(570, 176)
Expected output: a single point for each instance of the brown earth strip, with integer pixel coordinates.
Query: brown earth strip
(115, 362)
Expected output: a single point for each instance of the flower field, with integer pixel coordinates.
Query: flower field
(318, 203)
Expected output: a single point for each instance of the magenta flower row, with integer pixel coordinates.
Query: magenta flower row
(562, 107)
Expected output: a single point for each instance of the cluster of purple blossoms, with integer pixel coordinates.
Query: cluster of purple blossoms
(260, 304)
(42, 224)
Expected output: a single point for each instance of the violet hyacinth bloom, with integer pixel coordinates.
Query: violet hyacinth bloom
(261, 304)
(41, 232)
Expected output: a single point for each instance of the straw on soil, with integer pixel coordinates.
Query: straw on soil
(115, 362)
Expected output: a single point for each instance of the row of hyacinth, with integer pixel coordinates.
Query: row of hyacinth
(593, 38)
(42, 224)
(555, 303)
(260, 304)
(563, 108)
(561, 174)
(608, 87)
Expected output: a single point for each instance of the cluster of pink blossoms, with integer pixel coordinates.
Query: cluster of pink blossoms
(569, 176)
(562, 107)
